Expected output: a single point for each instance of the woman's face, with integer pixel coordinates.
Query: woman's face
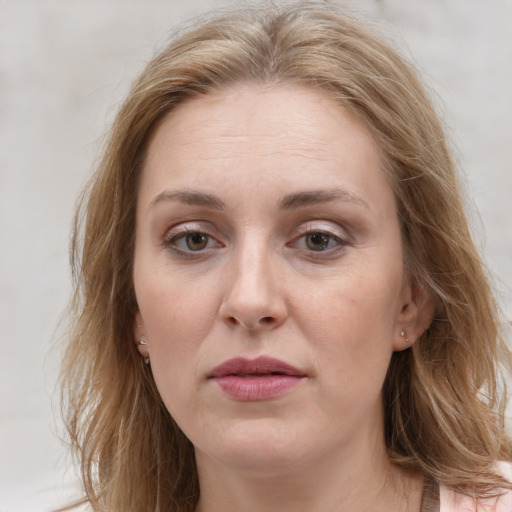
(269, 277)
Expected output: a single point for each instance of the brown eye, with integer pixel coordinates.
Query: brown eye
(196, 241)
(191, 242)
(318, 241)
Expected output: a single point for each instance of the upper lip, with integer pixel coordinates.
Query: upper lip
(262, 365)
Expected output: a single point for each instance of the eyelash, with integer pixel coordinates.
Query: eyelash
(182, 233)
(328, 237)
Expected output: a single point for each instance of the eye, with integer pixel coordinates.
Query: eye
(188, 241)
(320, 241)
(195, 241)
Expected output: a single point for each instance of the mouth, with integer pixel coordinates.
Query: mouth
(257, 379)
(262, 366)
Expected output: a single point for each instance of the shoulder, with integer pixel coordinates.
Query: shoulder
(451, 501)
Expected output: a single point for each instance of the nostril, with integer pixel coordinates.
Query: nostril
(266, 320)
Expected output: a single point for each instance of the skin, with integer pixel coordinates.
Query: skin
(273, 267)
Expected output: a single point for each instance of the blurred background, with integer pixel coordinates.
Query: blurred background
(65, 65)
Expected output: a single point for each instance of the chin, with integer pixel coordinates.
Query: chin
(260, 447)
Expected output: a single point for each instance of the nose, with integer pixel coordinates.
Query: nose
(254, 297)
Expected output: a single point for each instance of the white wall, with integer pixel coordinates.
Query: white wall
(65, 65)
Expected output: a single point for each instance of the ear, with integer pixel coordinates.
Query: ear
(139, 334)
(416, 315)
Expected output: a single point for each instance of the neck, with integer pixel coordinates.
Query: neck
(339, 482)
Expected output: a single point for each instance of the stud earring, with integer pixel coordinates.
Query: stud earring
(402, 333)
(143, 342)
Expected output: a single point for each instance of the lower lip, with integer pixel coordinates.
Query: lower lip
(249, 389)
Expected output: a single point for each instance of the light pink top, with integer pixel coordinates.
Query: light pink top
(452, 502)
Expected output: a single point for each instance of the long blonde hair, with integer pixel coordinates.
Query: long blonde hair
(441, 407)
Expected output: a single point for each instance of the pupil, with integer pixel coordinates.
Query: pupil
(318, 241)
(196, 241)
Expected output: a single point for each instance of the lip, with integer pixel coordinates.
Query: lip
(257, 379)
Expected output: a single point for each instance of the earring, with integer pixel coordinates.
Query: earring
(143, 342)
(402, 333)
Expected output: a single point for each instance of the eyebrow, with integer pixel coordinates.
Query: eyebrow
(189, 197)
(293, 201)
(312, 197)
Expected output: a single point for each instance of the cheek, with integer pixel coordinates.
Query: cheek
(356, 307)
(352, 323)
(177, 317)
(174, 307)
(175, 336)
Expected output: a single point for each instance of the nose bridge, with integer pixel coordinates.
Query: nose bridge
(252, 298)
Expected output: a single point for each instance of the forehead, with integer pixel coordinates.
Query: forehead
(300, 113)
(289, 135)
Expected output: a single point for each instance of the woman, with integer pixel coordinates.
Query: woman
(279, 305)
